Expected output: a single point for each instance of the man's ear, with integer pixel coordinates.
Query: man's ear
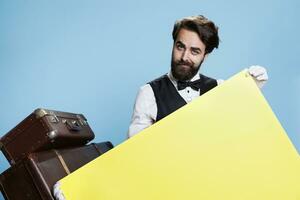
(205, 56)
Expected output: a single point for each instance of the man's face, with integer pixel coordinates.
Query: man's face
(187, 55)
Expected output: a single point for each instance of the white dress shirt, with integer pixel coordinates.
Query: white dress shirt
(145, 108)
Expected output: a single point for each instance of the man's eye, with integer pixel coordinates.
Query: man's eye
(195, 52)
(180, 47)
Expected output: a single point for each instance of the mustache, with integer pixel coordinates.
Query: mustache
(184, 63)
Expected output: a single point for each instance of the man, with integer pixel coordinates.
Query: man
(194, 38)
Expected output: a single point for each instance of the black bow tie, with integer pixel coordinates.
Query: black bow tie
(193, 84)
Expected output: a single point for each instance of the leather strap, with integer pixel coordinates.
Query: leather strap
(62, 161)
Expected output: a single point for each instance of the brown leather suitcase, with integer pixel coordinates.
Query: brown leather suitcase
(45, 129)
(34, 177)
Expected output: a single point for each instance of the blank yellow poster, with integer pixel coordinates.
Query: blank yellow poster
(227, 144)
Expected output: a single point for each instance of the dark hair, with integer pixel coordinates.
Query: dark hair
(206, 29)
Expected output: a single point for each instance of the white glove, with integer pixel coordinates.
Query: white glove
(57, 193)
(259, 74)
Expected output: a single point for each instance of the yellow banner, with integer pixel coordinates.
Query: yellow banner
(227, 144)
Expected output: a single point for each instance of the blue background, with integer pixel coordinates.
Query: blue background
(91, 57)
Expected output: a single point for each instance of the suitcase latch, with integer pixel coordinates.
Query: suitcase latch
(53, 119)
(73, 125)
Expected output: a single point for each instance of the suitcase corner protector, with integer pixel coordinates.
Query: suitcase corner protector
(40, 112)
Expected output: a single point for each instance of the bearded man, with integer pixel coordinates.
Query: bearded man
(194, 39)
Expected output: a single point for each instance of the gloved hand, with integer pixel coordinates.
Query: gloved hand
(259, 74)
(57, 193)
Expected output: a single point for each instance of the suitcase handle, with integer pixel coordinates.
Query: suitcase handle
(73, 125)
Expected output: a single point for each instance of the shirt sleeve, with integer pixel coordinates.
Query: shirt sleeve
(144, 112)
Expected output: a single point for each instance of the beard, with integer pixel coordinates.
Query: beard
(184, 70)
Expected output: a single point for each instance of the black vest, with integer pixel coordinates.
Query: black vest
(167, 97)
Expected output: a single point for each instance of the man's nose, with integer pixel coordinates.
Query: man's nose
(184, 56)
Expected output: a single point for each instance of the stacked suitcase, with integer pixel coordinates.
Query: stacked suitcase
(45, 147)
